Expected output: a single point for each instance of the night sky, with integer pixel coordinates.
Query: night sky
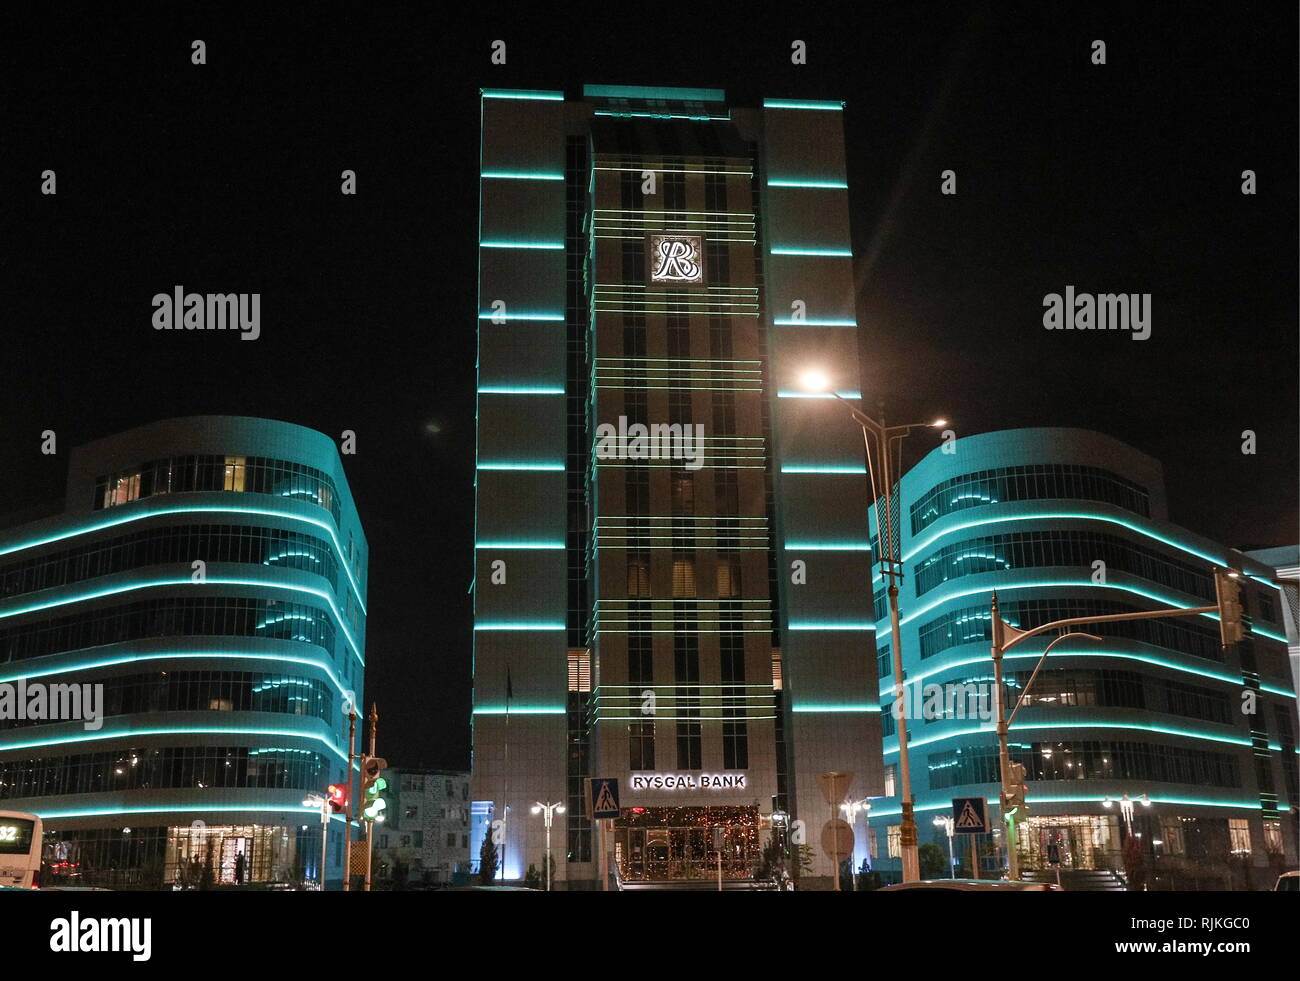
(225, 178)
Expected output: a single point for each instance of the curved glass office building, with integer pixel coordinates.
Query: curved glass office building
(175, 649)
(1068, 523)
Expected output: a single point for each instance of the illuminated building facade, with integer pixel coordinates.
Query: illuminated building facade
(670, 534)
(1066, 523)
(210, 574)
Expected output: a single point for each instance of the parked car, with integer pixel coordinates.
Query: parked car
(1287, 882)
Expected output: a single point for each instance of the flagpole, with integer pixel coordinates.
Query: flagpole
(505, 804)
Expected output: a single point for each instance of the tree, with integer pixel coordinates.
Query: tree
(533, 878)
(932, 860)
(487, 858)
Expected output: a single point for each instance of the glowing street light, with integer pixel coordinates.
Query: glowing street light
(885, 437)
(1126, 807)
(548, 812)
(949, 826)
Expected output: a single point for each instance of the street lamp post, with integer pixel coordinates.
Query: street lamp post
(548, 812)
(319, 800)
(851, 809)
(949, 826)
(891, 568)
(1126, 807)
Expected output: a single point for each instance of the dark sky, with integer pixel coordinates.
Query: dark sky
(225, 177)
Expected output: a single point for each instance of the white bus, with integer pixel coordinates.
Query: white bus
(20, 849)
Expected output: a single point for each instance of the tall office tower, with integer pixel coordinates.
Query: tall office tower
(1067, 523)
(672, 553)
(206, 576)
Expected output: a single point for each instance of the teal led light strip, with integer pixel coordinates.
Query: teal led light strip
(1072, 516)
(505, 318)
(788, 250)
(528, 545)
(1052, 725)
(261, 584)
(504, 175)
(850, 625)
(827, 547)
(191, 809)
(149, 512)
(802, 104)
(945, 805)
(783, 182)
(553, 246)
(666, 93)
(521, 390)
(801, 468)
(520, 625)
(983, 659)
(521, 466)
(529, 95)
(816, 395)
(1085, 583)
(814, 322)
(108, 662)
(84, 737)
(856, 709)
(520, 710)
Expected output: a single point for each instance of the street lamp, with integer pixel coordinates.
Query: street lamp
(321, 801)
(1126, 807)
(548, 812)
(949, 827)
(851, 809)
(891, 568)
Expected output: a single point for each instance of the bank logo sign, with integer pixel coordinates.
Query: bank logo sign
(676, 258)
(688, 781)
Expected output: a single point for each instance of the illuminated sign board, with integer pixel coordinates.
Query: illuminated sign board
(676, 258)
(687, 781)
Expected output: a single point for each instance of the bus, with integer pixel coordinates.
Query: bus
(20, 849)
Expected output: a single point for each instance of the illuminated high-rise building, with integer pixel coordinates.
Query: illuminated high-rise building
(672, 549)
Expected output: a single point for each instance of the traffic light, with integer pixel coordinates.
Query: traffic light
(1014, 807)
(374, 788)
(337, 794)
(1232, 620)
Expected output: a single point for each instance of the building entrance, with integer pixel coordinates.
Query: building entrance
(660, 843)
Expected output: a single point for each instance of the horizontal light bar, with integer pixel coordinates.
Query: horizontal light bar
(1020, 727)
(789, 250)
(802, 104)
(83, 737)
(503, 175)
(816, 395)
(832, 626)
(552, 246)
(820, 185)
(827, 547)
(520, 626)
(520, 390)
(530, 95)
(855, 709)
(150, 512)
(525, 545)
(813, 322)
(187, 581)
(802, 468)
(521, 466)
(520, 710)
(505, 318)
(108, 662)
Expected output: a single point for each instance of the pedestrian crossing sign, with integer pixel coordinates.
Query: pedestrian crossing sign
(603, 797)
(970, 816)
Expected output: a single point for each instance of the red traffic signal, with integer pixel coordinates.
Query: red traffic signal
(338, 797)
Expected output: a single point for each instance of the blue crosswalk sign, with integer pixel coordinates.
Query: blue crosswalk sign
(604, 798)
(970, 816)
